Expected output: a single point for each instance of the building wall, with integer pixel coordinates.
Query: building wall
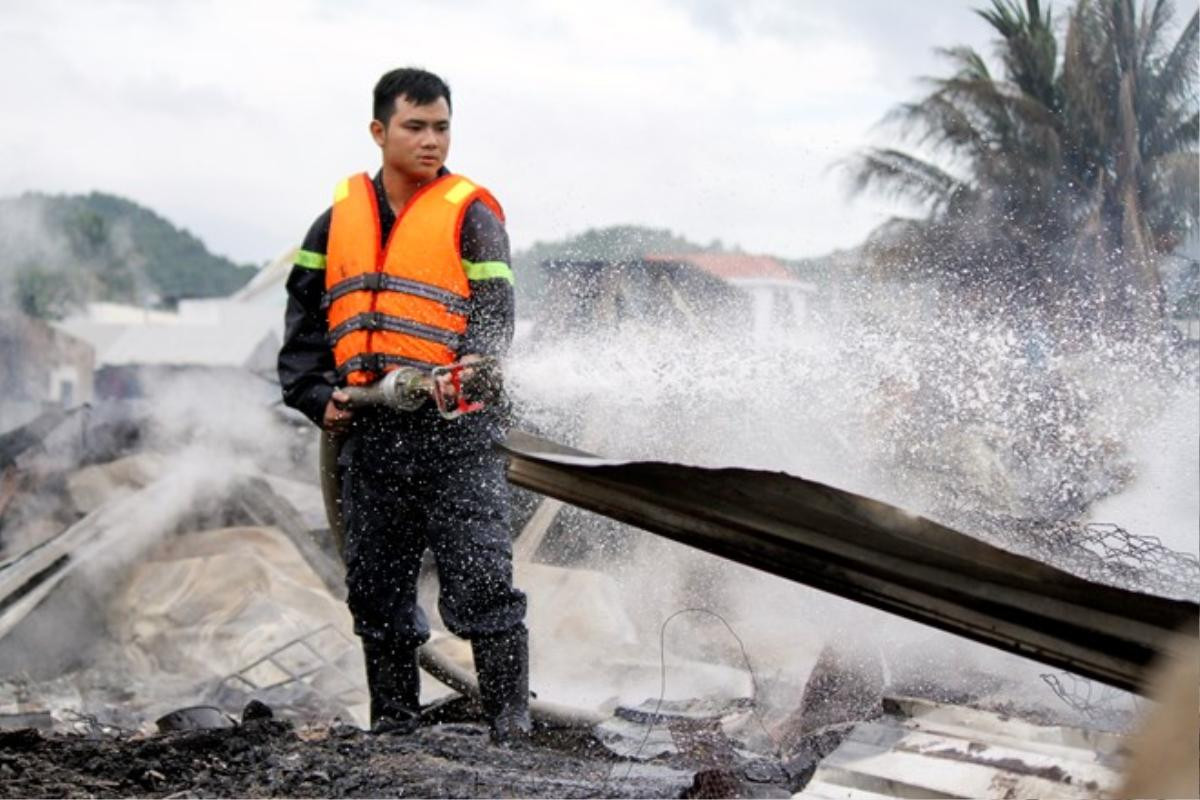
(42, 366)
(777, 307)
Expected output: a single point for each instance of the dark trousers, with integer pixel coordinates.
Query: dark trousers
(404, 490)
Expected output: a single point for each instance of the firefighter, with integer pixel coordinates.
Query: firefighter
(411, 268)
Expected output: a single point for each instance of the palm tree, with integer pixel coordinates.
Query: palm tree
(1064, 179)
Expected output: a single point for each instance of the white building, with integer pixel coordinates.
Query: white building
(778, 299)
(243, 330)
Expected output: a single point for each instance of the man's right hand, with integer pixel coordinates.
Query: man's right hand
(337, 413)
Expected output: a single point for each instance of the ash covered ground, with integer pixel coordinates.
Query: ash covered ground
(272, 758)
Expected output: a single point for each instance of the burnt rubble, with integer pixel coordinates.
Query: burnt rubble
(93, 712)
(273, 758)
(180, 633)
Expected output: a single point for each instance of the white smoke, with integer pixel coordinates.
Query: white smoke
(27, 240)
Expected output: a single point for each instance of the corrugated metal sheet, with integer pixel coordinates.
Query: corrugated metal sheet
(871, 553)
(925, 749)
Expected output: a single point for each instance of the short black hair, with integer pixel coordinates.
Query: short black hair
(417, 85)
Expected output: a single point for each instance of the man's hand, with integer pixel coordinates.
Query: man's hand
(337, 413)
(446, 388)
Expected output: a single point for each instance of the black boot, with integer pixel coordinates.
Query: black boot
(394, 684)
(502, 665)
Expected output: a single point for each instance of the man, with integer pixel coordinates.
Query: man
(411, 269)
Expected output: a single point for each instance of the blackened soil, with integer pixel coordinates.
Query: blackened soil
(270, 758)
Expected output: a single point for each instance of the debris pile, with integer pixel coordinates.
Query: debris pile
(172, 624)
(163, 578)
(148, 589)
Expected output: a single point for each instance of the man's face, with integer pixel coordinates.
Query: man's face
(416, 140)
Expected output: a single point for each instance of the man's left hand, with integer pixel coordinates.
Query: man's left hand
(446, 387)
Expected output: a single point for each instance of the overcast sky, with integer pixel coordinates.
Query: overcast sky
(714, 118)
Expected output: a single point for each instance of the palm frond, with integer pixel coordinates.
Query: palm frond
(1167, 94)
(1178, 202)
(969, 64)
(1175, 132)
(904, 176)
(1150, 32)
(1029, 49)
(1006, 108)
(1006, 16)
(947, 125)
(1176, 77)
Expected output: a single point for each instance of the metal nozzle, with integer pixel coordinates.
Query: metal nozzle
(405, 389)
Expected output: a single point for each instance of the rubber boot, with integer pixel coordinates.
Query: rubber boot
(394, 685)
(502, 665)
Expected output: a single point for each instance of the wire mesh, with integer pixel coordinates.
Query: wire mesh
(303, 660)
(1102, 552)
(1098, 551)
(1094, 700)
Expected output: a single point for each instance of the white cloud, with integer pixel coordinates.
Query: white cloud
(715, 119)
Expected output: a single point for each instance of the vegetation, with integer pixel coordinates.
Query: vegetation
(1064, 179)
(63, 251)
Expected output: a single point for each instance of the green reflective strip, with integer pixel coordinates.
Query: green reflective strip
(487, 269)
(309, 260)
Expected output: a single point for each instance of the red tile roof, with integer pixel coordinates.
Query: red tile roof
(730, 266)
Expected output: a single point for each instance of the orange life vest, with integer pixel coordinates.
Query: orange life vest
(405, 304)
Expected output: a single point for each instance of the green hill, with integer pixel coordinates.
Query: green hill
(60, 251)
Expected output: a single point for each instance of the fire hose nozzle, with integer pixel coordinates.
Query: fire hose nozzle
(404, 389)
(466, 386)
(457, 389)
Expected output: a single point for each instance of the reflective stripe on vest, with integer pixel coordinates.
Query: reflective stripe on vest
(378, 321)
(405, 304)
(378, 281)
(379, 363)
